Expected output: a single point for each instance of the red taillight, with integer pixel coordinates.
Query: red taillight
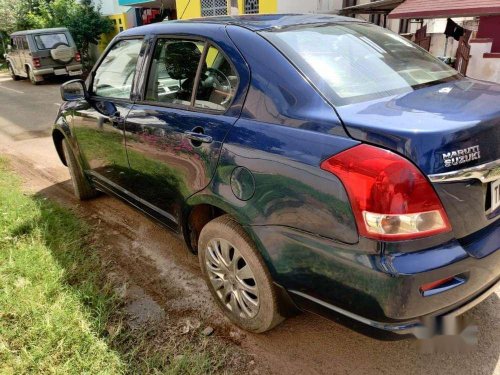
(36, 62)
(78, 57)
(390, 197)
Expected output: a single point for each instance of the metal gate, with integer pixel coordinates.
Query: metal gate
(251, 6)
(422, 39)
(463, 53)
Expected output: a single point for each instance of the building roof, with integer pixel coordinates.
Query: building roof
(445, 8)
(379, 6)
(40, 31)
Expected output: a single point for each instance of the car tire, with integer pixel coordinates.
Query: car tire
(81, 185)
(237, 276)
(11, 72)
(32, 77)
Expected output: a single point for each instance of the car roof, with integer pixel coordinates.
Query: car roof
(40, 31)
(252, 22)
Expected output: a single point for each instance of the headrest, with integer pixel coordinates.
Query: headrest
(182, 59)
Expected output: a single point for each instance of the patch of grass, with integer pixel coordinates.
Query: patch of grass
(57, 312)
(52, 307)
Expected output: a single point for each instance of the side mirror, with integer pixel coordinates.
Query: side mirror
(73, 90)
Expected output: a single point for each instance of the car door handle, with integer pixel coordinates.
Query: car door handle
(199, 137)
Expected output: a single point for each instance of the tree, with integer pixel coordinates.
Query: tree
(21, 14)
(87, 25)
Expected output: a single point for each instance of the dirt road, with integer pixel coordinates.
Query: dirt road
(162, 280)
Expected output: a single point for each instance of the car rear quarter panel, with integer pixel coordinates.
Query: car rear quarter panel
(285, 130)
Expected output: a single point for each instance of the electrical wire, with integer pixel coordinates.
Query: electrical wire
(182, 15)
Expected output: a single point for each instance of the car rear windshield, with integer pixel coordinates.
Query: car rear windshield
(354, 62)
(49, 41)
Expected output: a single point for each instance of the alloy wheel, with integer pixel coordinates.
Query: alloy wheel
(232, 279)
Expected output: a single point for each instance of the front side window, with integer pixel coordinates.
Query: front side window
(354, 62)
(173, 71)
(115, 75)
(49, 41)
(218, 82)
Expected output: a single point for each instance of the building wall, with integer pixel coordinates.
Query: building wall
(480, 65)
(391, 24)
(311, 6)
(119, 23)
(489, 27)
(265, 6)
(188, 9)
(192, 9)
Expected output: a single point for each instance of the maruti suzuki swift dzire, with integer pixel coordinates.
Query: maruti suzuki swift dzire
(312, 162)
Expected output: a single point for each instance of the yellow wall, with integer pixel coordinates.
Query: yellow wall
(267, 6)
(106, 38)
(193, 9)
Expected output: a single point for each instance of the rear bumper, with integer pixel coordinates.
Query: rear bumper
(70, 69)
(416, 327)
(382, 291)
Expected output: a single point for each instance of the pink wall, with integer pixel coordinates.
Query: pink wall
(489, 27)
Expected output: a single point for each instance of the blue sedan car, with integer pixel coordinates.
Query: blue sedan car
(312, 162)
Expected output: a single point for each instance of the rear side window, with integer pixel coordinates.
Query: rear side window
(49, 41)
(173, 71)
(218, 82)
(115, 75)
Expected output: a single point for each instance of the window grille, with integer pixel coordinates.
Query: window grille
(251, 6)
(213, 8)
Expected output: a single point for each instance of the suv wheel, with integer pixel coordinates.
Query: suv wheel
(12, 74)
(81, 185)
(237, 276)
(32, 77)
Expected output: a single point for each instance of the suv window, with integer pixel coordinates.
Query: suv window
(24, 43)
(49, 41)
(173, 71)
(16, 45)
(115, 75)
(218, 82)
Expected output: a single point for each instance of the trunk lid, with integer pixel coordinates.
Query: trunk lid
(442, 128)
(433, 126)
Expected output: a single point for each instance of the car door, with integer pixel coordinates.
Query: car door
(24, 53)
(174, 136)
(98, 121)
(14, 56)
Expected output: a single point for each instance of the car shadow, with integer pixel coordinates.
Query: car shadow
(305, 343)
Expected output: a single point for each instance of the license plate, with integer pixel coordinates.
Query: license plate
(59, 72)
(75, 72)
(495, 195)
